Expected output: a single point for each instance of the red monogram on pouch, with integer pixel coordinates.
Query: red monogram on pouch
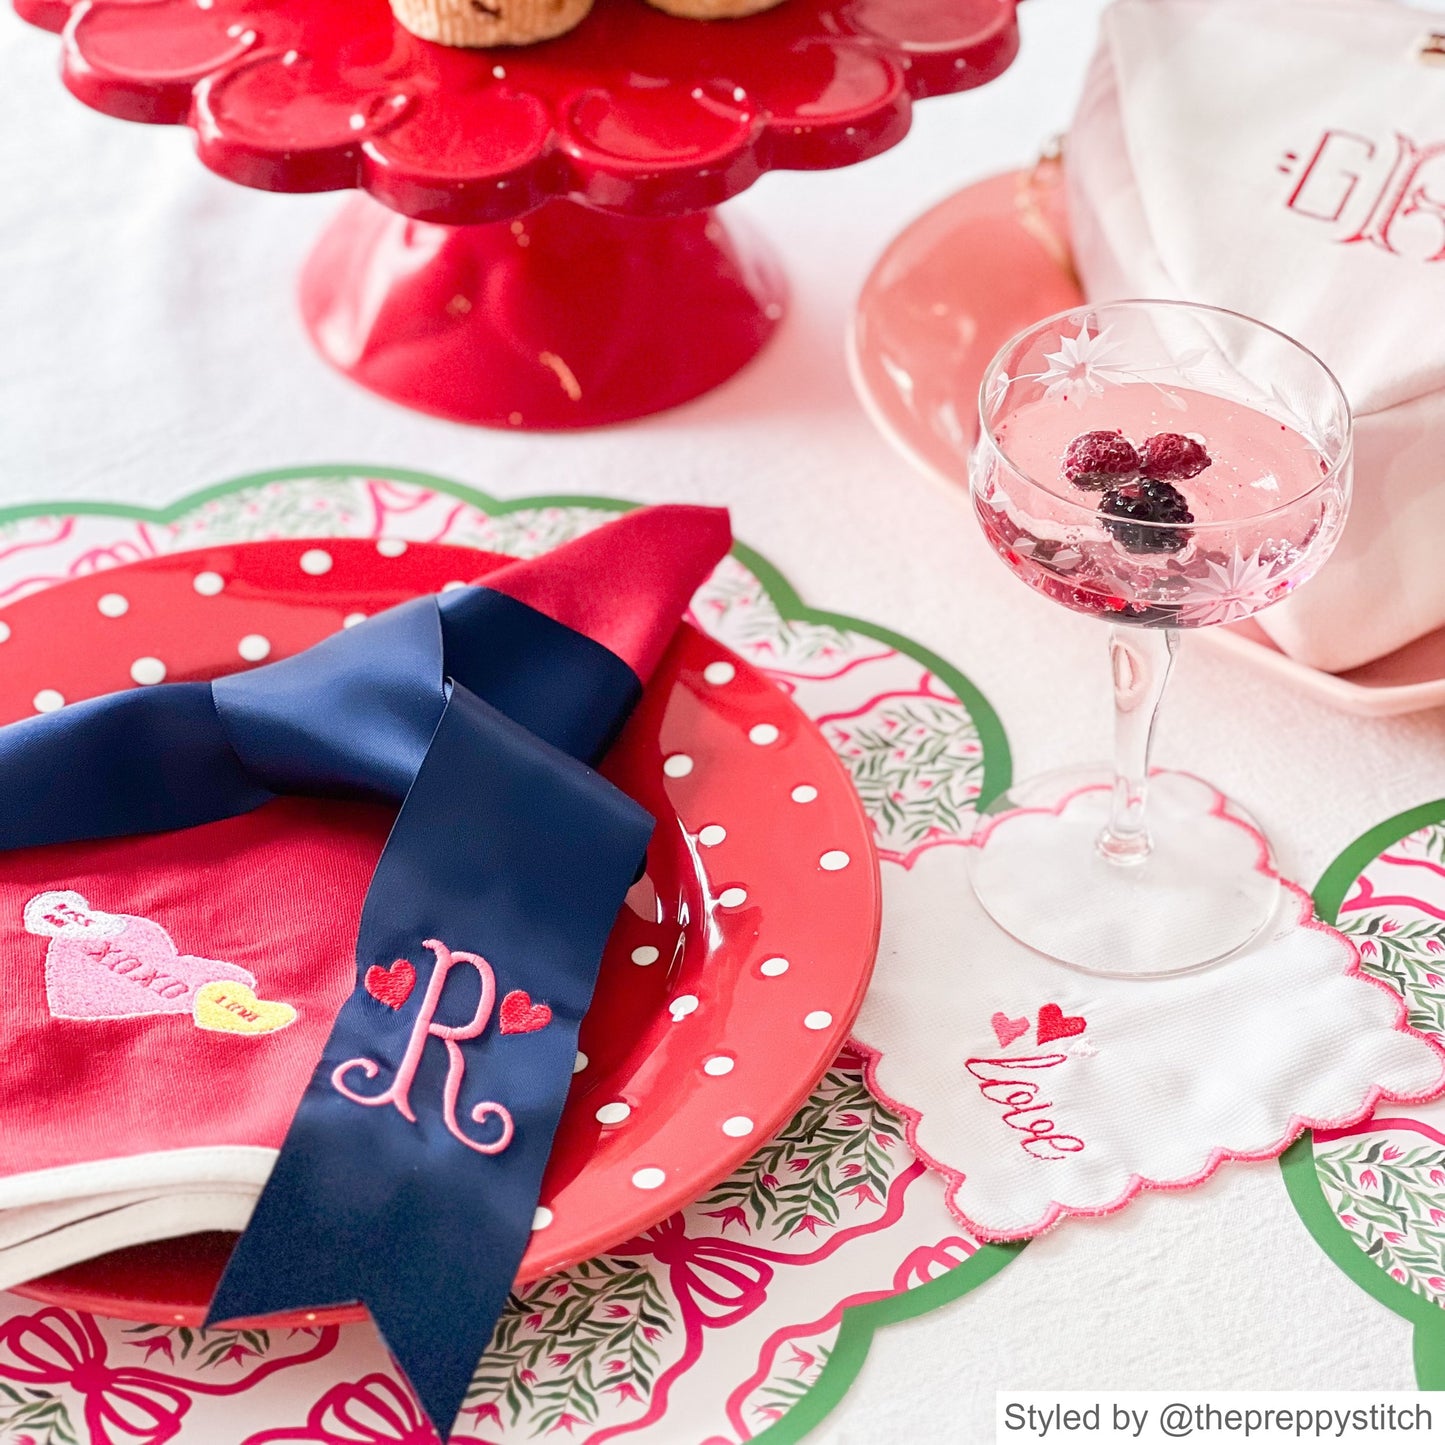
(1389, 194)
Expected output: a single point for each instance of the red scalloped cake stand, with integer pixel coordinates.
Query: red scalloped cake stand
(545, 254)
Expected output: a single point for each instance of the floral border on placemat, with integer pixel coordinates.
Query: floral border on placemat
(605, 1349)
(1374, 1197)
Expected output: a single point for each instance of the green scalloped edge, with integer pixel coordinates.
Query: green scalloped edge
(860, 1322)
(1297, 1163)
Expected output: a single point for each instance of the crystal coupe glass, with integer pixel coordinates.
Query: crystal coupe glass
(1160, 466)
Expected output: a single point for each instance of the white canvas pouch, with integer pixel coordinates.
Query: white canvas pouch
(1286, 159)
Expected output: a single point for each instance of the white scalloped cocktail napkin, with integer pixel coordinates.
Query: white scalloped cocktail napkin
(1040, 1092)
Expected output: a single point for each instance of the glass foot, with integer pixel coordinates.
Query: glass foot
(1207, 887)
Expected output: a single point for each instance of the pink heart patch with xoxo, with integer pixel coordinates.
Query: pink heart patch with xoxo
(110, 966)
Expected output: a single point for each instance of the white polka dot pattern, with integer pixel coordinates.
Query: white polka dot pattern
(391, 546)
(712, 835)
(649, 1178)
(4, 632)
(818, 1019)
(580, 1062)
(542, 1217)
(254, 648)
(738, 1127)
(834, 860)
(209, 584)
(48, 700)
(718, 1065)
(763, 734)
(732, 897)
(773, 967)
(613, 1113)
(719, 673)
(352, 619)
(112, 604)
(316, 562)
(679, 765)
(804, 793)
(645, 955)
(147, 671)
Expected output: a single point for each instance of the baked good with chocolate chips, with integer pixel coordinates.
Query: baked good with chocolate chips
(489, 22)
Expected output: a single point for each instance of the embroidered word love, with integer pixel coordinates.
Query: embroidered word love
(1023, 1110)
(399, 1093)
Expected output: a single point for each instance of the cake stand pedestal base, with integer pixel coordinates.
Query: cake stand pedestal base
(567, 317)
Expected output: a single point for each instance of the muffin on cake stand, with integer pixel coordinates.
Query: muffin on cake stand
(545, 254)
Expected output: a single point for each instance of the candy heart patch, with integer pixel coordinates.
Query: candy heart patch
(519, 1015)
(114, 965)
(64, 913)
(232, 1008)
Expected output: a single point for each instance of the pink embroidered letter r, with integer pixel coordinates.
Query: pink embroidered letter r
(399, 1093)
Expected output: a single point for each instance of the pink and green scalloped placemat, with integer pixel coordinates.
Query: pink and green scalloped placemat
(744, 1318)
(1373, 1196)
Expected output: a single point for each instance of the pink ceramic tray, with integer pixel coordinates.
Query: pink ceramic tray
(949, 291)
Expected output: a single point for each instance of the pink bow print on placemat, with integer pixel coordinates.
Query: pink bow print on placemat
(126, 1404)
(122, 1405)
(719, 1282)
(375, 1410)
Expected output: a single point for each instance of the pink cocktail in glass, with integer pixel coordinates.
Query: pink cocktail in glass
(1161, 466)
(1256, 509)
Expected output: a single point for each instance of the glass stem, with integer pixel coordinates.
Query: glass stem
(1140, 659)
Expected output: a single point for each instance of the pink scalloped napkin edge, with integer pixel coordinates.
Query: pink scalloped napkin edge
(1039, 1093)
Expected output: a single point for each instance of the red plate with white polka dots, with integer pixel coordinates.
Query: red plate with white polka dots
(731, 978)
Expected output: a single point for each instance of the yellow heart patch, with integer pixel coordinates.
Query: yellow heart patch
(232, 1008)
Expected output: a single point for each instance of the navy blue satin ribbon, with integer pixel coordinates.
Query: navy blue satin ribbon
(477, 715)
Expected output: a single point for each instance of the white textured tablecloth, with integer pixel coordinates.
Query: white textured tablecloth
(149, 346)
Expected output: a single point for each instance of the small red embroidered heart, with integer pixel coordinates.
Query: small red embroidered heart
(391, 986)
(1055, 1024)
(521, 1016)
(1006, 1030)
